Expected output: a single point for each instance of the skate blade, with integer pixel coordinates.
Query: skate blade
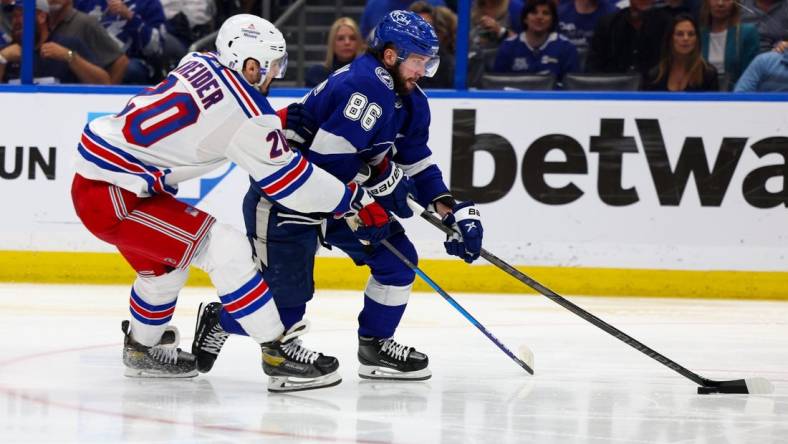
(138, 373)
(280, 384)
(384, 373)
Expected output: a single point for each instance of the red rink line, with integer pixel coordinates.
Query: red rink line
(14, 392)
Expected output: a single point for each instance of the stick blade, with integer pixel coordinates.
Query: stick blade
(759, 386)
(526, 355)
(752, 386)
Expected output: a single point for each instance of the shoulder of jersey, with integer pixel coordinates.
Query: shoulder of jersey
(373, 82)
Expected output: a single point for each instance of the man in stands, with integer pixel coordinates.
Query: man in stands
(56, 58)
(66, 21)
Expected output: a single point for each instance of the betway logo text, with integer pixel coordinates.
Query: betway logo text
(611, 145)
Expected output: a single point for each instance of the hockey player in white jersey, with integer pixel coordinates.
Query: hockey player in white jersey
(206, 112)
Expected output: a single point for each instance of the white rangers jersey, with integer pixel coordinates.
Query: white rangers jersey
(198, 118)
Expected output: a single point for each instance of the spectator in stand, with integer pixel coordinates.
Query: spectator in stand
(186, 22)
(725, 42)
(344, 44)
(139, 26)
(676, 7)
(66, 21)
(539, 49)
(493, 21)
(375, 10)
(577, 19)
(771, 19)
(444, 20)
(628, 40)
(768, 72)
(6, 7)
(681, 67)
(64, 59)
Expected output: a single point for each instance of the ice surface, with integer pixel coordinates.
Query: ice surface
(61, 375)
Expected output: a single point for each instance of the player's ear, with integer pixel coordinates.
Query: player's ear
(390, 57)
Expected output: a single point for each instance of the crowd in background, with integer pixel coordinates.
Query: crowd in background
(669, 45)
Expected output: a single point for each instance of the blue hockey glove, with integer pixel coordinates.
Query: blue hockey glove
(391, 188)
(299, 125)
(466, 242)
(367, 218)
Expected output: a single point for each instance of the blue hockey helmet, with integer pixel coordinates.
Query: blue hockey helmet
(410, 34)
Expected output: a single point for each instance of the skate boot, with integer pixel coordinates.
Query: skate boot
(292, 367)
(384, 358)
(209, 336)
(163, 360)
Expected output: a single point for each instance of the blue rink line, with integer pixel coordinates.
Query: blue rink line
(449, 94)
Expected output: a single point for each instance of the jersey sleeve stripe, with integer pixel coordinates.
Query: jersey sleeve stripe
(286, 178)
(294, 184)
(98, 151)
(344, 204)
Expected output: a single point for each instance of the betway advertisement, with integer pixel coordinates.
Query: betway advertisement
(685, 184)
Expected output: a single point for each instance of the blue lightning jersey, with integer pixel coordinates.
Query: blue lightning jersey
(411, 152)
(140, 36)
(356, 108)
(556, 56)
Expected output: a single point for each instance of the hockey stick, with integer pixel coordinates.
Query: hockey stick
(755, 385)
(528, 354)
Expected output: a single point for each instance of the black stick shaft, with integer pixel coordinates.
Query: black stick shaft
(558, 299)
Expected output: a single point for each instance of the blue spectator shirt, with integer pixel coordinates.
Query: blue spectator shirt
(556, 56)
(579, 28)
(768, 72)
(139, 37)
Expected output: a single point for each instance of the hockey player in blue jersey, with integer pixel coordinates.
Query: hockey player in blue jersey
(373, 129)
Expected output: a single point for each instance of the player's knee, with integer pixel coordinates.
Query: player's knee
(394, 271)
(226, 257)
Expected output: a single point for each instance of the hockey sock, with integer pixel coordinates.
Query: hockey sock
(229, 324)
(379, 320)
(152, 303)
(384, 305)
(252, 307)
(291, 315)
(227, 258)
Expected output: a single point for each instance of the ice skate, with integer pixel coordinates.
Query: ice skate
(163, 360)
(292, 367)
(384, 358)
(209, 336)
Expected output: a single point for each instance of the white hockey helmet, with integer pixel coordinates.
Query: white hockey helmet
(245, 36)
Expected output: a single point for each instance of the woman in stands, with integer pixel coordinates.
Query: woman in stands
(539, 49)
(344, 44)
(725, 42)
(681, 66)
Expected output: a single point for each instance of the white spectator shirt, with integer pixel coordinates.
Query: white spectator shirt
(717, 50)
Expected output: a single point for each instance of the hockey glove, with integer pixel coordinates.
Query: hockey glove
(391, 188)
(374, 219)
(466, 242)
(299, 126)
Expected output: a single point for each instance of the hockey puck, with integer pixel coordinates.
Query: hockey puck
(707, 390)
